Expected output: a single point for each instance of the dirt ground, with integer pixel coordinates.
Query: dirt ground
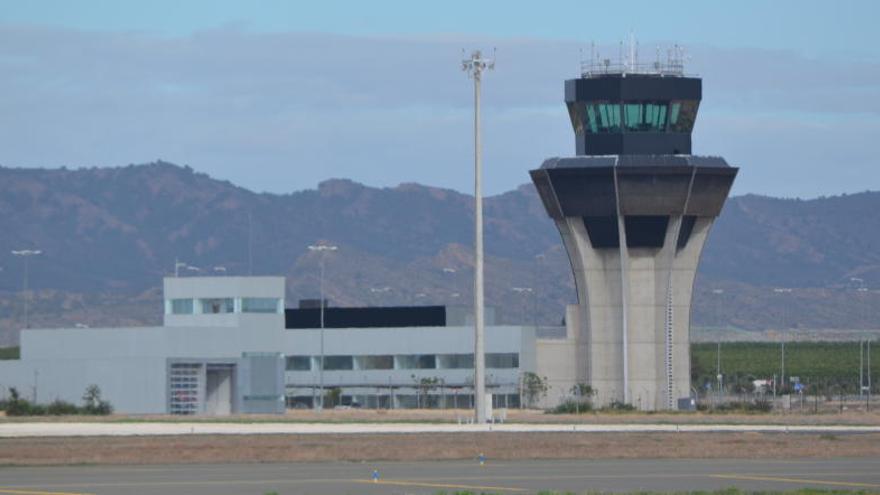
(848, 417)
(408, 447)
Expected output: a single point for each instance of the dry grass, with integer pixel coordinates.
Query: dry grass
(409, 447)
(849, 417)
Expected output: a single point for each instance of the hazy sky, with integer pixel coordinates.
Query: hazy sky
(281, 95)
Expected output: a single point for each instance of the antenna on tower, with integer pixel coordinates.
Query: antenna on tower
(632, 52)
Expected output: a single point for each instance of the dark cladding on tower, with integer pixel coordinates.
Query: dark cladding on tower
(633, 207)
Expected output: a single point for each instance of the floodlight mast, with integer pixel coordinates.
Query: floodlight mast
(474, 66)
(322, 249)
(26, 254)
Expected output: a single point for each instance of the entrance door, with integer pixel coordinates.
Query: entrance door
(219, 389)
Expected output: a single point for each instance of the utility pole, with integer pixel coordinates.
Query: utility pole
(26, 254)
(475, 66)
(322, 249)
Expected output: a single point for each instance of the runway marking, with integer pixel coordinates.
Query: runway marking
(745, 477)
(439, 485)
(31, 492)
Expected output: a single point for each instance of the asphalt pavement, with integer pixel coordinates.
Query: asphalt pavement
(502, 477)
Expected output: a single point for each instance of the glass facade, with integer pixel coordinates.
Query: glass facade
(494, 360)
(502, 360)
(181, 306)
(217, 305)
(682, 115)
(416, 362)
(455, 361)
(645, 117)
(299, 363)
(220, 305)
(260, 305)
(600, 117)
(335, 363)
(376, 362)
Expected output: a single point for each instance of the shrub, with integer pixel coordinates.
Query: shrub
(571, 406)
(92, 404)
(61, 408)
(759, 405)
(617, 405)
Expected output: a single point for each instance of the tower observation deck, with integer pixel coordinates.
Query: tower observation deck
(633, 207)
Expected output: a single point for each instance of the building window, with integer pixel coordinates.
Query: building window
(377, 362)
(455, 361)
(260, 305)
(181, 306)
(217, 305)
(417, 362)
(334, 363)
(503, 360)
(299, 363)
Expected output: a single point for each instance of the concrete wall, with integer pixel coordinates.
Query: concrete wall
(638, 284)
(131, 385)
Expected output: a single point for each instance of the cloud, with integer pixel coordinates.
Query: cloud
(282, 111)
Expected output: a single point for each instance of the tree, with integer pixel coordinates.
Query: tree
(583, 394)
(535, 387)
(332, 397)
(425, 385)
(92, 403)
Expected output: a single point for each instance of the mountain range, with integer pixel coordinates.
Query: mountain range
(109, 235)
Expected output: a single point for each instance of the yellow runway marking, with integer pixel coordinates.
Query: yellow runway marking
(439, 485)
(9, 491)
(794, 480)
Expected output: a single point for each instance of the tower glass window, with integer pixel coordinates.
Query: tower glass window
(602, 117)
(682, 115)
(645, 116)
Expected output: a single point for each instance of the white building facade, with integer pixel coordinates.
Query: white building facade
(225, 348)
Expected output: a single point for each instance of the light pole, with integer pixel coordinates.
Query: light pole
(26, 254)
(783, 290)
(861, 368)
(475, 66)
(538, 259)
(718, 374)
(322, 249)
(869, 374)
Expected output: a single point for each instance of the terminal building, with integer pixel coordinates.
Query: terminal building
(228, 345)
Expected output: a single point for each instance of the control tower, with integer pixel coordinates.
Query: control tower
(633, 207)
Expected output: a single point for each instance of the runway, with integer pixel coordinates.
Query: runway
(502, 477)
